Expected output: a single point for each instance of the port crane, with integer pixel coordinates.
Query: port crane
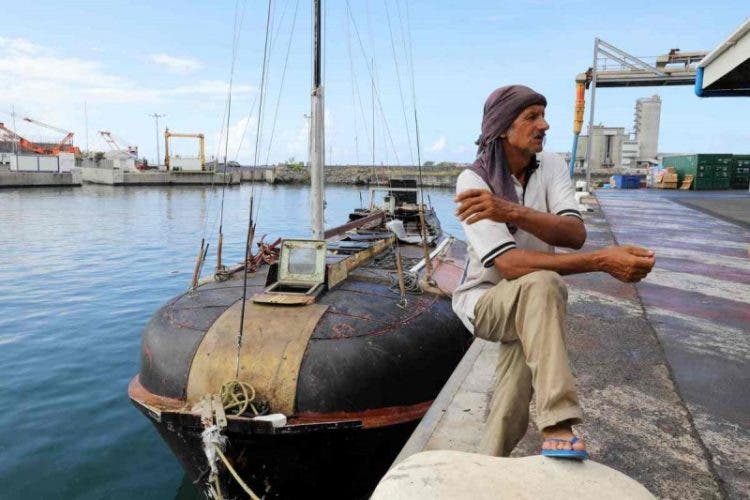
(201, 145)
(7, 134)
(115, 143)
(27, 145)
(65, 145)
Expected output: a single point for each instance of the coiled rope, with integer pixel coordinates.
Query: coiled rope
(236, 397)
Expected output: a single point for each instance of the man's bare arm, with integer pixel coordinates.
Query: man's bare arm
(626, 263)
(555, 230)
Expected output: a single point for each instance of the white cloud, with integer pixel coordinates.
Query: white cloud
(33, 75)
(132, 93)
(438, 145)
(68, 69)
(176, 64)
(241, 140)
(287, 143)
(18, 46)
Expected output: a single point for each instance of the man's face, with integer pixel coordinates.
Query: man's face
(528, 129)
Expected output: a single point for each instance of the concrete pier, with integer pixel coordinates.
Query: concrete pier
(662, 367)
(117, 177)
(39, 179)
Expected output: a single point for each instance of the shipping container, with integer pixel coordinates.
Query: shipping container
(740, 178)
(709, 171)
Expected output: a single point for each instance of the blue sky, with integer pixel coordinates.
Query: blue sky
(127, 60)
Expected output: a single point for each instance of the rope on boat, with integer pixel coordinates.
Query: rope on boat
(213, 442)
(222, 274)
(411, 283)
(236, 476)
(235, 396)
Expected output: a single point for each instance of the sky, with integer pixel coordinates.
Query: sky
(94, 66)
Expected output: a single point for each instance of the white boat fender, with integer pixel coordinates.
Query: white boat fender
(276, 419)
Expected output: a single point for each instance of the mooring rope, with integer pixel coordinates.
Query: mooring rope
(236, 396)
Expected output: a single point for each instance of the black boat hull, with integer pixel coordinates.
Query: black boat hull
(341, 458)
(353, 373)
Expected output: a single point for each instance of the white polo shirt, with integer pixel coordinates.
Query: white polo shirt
(548, 189)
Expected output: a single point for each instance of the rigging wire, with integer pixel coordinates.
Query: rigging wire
(372, 77)
(247, 124)
(365, 123)
(398, 80)
(414, 101)
(237, 27)
(250, 223)
(281, 87)
(278, 26)
(353, 86)
(238, 20)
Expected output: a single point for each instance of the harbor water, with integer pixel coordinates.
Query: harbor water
(81, 272)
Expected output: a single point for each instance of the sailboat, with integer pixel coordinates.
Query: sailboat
(299, 371)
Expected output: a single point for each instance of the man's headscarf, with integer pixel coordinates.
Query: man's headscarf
(501, 108)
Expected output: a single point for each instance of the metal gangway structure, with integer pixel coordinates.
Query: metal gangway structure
(614, 67)
(722, 72)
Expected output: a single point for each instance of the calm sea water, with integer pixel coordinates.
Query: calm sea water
(81, 272)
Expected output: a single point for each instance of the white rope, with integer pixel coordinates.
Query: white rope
(213, 440)
(237, 476)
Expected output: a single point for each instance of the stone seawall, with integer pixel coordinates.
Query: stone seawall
(363, 176)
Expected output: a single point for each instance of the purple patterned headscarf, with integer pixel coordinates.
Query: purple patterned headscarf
(500, 109)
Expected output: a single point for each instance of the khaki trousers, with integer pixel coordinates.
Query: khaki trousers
(527, 315)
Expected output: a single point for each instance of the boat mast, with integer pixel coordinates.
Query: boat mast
(317, 135)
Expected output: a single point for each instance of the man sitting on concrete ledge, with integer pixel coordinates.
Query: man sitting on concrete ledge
(516, 205)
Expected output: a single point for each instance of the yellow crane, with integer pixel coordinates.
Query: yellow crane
(201, 142)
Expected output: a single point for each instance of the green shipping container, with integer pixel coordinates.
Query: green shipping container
(740, 178)
(709, 171)
(721, 183)
(702, 184)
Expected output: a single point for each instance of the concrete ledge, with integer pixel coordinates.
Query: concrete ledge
(39, 179)
(117, 177)
(455, 475)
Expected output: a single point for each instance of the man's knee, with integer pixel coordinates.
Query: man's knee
(546, 283)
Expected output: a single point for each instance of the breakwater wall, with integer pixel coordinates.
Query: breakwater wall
(444, 177)
(117, 177)
(39, 179)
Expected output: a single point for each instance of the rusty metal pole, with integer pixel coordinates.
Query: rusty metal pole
(427, 261)
(401, 285)
(196, 269)
(219, 245)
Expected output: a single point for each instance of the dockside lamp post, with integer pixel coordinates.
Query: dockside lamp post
(156, 117)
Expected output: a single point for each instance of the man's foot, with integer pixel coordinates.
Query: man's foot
(559, 441)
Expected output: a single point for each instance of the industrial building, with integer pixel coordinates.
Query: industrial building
(614, 149)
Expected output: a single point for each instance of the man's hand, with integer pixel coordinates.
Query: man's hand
(477, 204)
(626, 263)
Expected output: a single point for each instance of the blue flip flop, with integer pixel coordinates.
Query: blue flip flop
(574, 454)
